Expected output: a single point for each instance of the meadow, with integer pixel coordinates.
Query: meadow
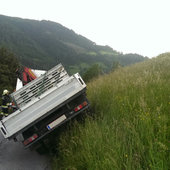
(130, 126)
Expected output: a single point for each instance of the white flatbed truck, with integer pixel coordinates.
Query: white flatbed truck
(43, 105)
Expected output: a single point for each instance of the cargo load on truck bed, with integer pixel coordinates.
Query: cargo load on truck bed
(44, 104)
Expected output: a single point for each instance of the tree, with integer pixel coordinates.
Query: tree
(8, 65)
(93, 72)
(115, 65)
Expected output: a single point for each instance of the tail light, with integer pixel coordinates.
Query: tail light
(30, 139)
(79, 107)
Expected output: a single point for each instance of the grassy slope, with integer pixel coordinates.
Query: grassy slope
(131, 127)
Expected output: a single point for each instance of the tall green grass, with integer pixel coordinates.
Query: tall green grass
(131, 128)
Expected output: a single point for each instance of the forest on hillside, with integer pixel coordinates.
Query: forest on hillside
(43, 44)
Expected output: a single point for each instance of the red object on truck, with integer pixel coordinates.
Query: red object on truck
(25, 74)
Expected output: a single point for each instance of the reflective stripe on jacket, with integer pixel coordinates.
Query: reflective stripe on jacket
(3, 114)
(4, 107)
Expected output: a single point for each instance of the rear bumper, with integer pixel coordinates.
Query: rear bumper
(69, 117)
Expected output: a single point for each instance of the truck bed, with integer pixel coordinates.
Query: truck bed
(37, 106)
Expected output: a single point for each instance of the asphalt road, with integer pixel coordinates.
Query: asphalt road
(13, 156)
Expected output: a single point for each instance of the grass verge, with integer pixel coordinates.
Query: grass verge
(131, 127)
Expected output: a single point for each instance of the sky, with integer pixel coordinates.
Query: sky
(128, 26)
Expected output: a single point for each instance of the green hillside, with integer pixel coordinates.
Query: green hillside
(43, 44)
(131, 125)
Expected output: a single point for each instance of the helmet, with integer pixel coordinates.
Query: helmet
(5, 92)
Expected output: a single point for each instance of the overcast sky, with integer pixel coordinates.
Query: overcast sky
(137, 26)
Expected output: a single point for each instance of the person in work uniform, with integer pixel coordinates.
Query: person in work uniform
(5, 104)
